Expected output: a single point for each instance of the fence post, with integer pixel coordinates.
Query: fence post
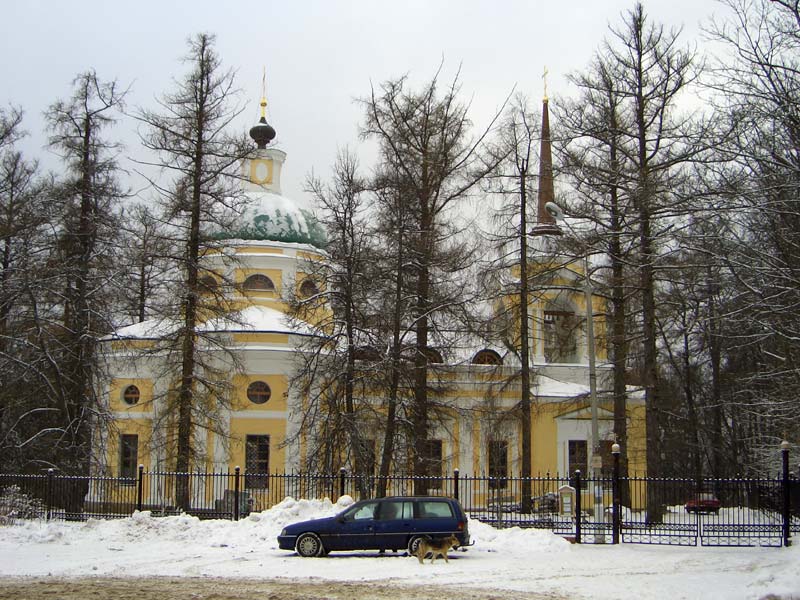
(578, 508)
(49, 493)
(236, 471)
(616, 525)
(455, 484)
(342, 474)
(140, 487)
(786, 501)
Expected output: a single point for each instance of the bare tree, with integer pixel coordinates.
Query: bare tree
(87, 196)
(757, 85)
(427, 156)
(630, 153)
(333, 378)
(510, 319)
(189, 135)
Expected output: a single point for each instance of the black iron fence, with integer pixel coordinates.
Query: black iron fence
(684, 511)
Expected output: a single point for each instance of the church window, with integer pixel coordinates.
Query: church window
(131, 395)
(578, 457)
(258, 392)
(560, 329)
(433, 355)
(431, 455)
(208, 283)
(128, 457)
(259, 283)
(487, 357)
(498, 463)
(256, 461)
(308, 288)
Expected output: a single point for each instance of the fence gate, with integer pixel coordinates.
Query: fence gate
(711, 512)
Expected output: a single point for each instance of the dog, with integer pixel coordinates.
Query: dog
(436, 548)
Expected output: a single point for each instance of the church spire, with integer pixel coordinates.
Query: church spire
(263, 133)
(545, 222)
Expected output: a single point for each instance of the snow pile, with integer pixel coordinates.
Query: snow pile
(524, 560)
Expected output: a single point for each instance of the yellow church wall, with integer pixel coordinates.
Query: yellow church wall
(278, 385)
(259, 250)
(261, 338)
(276, 275)
(544, 439)
(241, 427)
(141, 427)
(117, 387)
(130, 345)
(637, 440)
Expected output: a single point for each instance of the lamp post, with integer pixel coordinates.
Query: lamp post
(596, 459)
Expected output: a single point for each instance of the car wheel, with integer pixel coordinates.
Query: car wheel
(413, 545)
(309, 545)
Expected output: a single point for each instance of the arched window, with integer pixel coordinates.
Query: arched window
(208, 283)
(366, 353)
(259, 283)
(434, 356)
(258, 392)
(131, 395)
(308, 288)
(560, 331)
(487, 357)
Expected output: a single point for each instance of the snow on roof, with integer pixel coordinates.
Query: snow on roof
(258, 319)
(251, 319)
(553, 388)
(148, 330)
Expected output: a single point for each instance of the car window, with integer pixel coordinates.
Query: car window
(396, 509)
(361, 512)
(432, 508)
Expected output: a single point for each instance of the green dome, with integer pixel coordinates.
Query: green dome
(275, 218)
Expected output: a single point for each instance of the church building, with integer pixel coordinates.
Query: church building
(265, 255)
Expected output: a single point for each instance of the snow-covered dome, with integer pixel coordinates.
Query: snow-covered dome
(268, 214)
(274, 217)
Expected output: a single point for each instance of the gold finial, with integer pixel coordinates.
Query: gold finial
(544, 78)
(264, 94)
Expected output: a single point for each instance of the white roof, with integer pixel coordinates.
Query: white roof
(251, 319)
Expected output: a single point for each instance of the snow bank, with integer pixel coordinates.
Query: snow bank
(525, 560)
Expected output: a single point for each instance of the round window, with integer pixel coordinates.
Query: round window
(308, 288)
(258, 392)
(131, 395)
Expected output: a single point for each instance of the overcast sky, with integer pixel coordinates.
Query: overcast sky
(319, 55)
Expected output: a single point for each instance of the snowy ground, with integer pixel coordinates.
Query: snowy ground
(501, 560)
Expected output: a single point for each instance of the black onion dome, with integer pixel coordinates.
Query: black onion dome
(263, 133)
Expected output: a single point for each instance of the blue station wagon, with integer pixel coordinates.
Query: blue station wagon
(382, 524)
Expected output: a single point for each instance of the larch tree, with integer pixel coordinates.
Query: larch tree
(199, 160)
(428, 157)
(756, 81)
(632, 150)
(510, 275)
(331, 379)
(87, 197)
(24, 418)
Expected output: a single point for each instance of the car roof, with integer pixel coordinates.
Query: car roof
(445, 498)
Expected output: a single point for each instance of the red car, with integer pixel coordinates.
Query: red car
(704, 502)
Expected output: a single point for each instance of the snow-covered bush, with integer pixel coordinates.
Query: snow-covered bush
(16, 504)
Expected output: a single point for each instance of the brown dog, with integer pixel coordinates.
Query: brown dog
(436, 548)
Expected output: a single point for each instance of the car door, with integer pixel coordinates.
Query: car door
(356, 528)
(394, 524)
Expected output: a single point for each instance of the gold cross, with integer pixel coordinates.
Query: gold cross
(264, 93)
(544, 78)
